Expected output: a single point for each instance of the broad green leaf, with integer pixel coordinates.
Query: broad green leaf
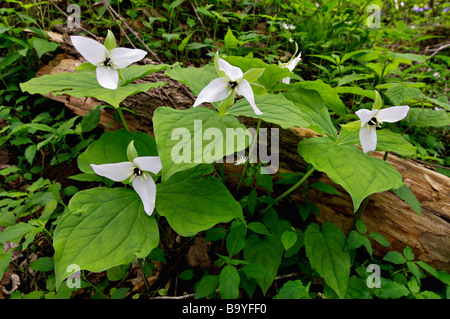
(91, 119)
(83, 84)
(258, 228)
(357, 289)
(293, 289)
(104, 227)
(275, 108)
(134, 72)
(392, 290)
(395, 257)
(5, 259)
(351, 78)
(311, 103)
(398, 93)
(379, 239)
(111, 147)
(43, 46)
(325, 250)
(231, 43)
(236, 238)
(358, 173)
(387, 141)
(229, 283)
(195, 78)
(427, 117)
(271, 76)
(187, 138)
(355, 90)
(254, 270)
(356, 240)
(288, 239)
(15, 232)
(193, 203)
(408, 253)
(441, 102)
(267, 252)
(30, 152)
(43, 264)
(325, 188)
(408, 196)
(206, 286)
(327, 93)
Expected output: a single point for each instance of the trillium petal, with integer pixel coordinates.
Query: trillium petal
(393, 114)
(368, 138)
(148, 163)
(115, 171)
(244, 88)
(286, 80)
(146, 189)
(90, 49)
(232, 72)
(107, 77)
(216, 90)
(123, 57)
(293, 63)
(365, 115)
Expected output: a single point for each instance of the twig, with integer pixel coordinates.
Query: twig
(200, 20)
(175, 297)
(79, 26)
(111, 9)
(114, 13)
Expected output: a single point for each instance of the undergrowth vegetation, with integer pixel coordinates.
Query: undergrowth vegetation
(159, 225)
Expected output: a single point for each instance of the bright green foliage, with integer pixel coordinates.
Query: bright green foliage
(196, 136)
(85, 84)
(104, 228)
(359, 173)
(193, 203)
(275, 108)
(326, 253)
(256, 244)
(111, 147)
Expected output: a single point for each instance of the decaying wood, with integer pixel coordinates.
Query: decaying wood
(428, 236)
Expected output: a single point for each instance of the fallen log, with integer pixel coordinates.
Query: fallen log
(386, 214)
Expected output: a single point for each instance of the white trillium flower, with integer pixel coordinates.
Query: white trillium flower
(106, 61)
(371, 120)
(291, 66)
(220, 88)
(136, 172)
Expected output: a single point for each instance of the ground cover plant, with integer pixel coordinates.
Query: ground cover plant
(124, 214)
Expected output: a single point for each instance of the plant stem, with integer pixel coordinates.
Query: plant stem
(290, 190)
(249, 155)
(361, 210)
(122, 118)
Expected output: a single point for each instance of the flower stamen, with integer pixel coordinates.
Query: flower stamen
(374, 122)
(232, 84)
(107, 62)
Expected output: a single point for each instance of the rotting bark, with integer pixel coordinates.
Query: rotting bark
(386, 214)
